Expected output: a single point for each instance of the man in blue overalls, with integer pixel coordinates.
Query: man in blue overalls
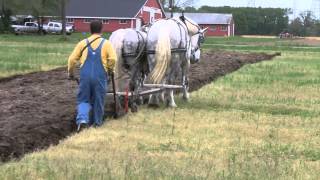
(97, 57)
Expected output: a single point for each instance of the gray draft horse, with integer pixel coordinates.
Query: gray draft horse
(131, 65)
(172, 44)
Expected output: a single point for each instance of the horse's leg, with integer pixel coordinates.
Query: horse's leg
(162, 97)
(170, 101)
(173, 72)
(134, 87)
(185, 78)
(153, 98)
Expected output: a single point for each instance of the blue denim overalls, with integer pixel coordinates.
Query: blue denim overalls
(92, 88)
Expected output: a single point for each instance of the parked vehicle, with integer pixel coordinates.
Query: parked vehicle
(33, 27)
(56, 28)
(285, 35)
(28, 27)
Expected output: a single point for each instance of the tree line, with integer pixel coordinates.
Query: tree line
(264, 21)
(248, 21)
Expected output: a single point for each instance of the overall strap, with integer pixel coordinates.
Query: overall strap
(89, 44)
(101, 44)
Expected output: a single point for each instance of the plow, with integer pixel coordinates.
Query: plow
(118, 103)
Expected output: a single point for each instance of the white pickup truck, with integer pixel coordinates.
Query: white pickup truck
(56, 28)
(32, 27)
(28, 27)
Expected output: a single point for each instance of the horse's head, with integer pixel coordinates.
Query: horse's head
(196, 41)
(197, 38)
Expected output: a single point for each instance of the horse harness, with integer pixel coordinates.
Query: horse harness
(138, 50)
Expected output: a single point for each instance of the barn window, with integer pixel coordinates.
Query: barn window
(213, 28)
(105, 21)
(123, 21)
(70, 20)
(224, 28)
(87, 20)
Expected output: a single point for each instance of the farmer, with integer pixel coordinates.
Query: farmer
(97, 59)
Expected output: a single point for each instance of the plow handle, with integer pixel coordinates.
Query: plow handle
(114, 95)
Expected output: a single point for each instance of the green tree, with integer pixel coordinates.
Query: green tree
(305, 25)
(6, 10)
(296, 27)
(41, 8)
(263, 21)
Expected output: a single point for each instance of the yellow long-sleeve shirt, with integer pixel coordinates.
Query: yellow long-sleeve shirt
(108, 55)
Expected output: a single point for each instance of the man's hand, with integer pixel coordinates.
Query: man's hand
(110, 72)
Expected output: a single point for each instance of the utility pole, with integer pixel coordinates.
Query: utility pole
(294, 9)
(2, 8)
(171, 7)
(63, 17)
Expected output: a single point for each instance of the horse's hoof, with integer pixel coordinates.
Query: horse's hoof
(153, 105)
(172, 105)
(134, 109)
(187, 99)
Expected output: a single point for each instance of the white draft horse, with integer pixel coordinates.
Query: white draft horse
(172, 44)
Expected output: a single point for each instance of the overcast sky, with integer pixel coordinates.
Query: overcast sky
(301, 5)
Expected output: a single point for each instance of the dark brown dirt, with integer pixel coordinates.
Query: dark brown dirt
(38, 109)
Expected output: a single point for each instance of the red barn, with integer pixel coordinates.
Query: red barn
(114, 14)
(219, 24)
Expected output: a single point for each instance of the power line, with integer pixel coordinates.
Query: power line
(294, 9)
(251, 3)
(315, 7)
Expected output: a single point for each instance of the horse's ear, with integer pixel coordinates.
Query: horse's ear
(203, 31)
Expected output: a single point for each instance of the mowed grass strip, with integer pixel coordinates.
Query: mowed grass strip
(261, 122)
(30, 53)
(31, 56)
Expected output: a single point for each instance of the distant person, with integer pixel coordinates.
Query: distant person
(97, 59)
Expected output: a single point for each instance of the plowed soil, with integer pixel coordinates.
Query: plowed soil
(38, 109)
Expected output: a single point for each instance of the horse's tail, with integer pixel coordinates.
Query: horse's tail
(117, 42)
(163, 57)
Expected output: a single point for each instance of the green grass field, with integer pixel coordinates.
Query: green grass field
(261, 122)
